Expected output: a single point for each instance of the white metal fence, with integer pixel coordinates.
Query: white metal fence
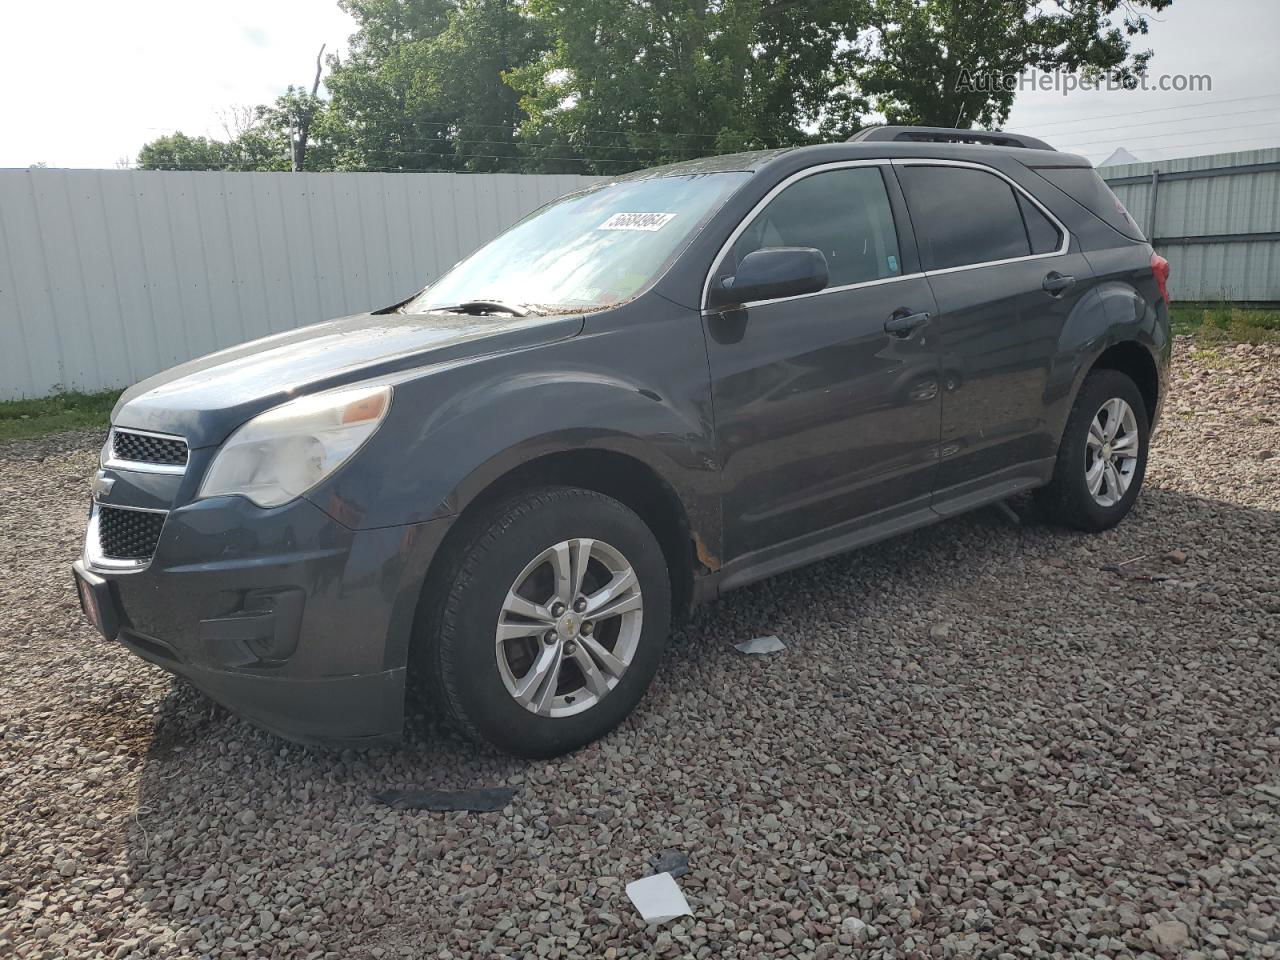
(1217, 219)
(108, 276)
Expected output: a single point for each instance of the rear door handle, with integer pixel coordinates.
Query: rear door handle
(1055, 282)
(904, 324)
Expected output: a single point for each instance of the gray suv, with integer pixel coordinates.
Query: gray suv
(642, 395)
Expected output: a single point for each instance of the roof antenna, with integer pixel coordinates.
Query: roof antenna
(959, 114)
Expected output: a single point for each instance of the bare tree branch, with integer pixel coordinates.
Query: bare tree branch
(237, 120)
(306, 113)
(315, 84)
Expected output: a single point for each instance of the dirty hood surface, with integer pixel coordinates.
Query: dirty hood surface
(205, 399)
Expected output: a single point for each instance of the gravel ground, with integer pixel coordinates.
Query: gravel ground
(980, 742)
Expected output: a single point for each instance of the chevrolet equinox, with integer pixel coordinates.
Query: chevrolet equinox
(644, 394)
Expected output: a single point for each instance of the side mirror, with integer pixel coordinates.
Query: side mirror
(769, 273)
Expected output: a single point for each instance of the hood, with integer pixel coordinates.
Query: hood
(205, 399)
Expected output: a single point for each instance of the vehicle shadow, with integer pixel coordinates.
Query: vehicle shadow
(237, 831)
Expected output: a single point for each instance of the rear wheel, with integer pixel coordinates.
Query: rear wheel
(1103, 456)
(555, 613)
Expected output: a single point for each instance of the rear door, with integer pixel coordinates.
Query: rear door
(1005, 281)
(823, 419)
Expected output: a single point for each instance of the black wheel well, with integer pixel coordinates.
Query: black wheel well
(1135, 361)
(631, 482)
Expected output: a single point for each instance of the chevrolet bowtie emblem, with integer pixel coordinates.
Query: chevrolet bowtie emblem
(102, 485)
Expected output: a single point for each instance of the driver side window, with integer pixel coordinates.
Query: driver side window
(844, 213)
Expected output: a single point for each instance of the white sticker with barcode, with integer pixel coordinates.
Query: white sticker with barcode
(637, 221)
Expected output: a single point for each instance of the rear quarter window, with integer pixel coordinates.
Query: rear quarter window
(1044, 236)
(1086, 187)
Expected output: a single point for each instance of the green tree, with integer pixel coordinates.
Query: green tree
(291, 133)
(293, 117)
(484, 40)
(177, 151)
(628, 84)
(932, 62)
(610, 85)
(262, 146)
(422, 85)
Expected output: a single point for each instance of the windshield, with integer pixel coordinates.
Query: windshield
(589, 249)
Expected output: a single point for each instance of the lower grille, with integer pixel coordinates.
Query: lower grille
(128, 534)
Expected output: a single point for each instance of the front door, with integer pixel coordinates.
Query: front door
(824, 420)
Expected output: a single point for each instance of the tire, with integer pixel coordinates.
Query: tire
(494, 579)
(1110, 398)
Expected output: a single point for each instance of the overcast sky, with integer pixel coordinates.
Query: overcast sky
(1233, 41)
(87, 83)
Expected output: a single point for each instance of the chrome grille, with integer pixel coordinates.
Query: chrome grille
(128, 534)
(148, 448)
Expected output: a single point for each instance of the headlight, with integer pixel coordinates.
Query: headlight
(283, 453)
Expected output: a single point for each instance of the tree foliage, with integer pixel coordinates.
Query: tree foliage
(915, 53)
(671, 79)
(423, 85)
(263, 141)
(610, 85)
(177, 151)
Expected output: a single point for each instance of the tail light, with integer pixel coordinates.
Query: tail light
(1160, 267)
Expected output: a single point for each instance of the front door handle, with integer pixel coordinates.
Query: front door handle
(1055, 282)
(904, 324)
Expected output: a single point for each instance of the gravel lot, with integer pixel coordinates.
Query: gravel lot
(980, 742)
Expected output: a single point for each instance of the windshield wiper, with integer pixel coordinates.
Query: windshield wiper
(480, 307)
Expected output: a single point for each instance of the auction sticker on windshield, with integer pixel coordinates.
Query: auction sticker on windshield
(637, 221)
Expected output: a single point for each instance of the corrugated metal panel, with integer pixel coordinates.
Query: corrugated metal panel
(107, 276)
(1222, 203)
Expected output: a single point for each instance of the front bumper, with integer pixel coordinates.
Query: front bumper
(285, 616)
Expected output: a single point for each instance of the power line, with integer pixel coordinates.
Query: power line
(1121, 116)
(637, 163)
(511, 156)
(456, 124)
(1273, 140)
(528, 154)
(1179, 133)
(533, 144)
(1160, 123)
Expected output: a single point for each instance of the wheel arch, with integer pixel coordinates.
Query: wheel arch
(1126, 355)
(630, 480)
(1136, 362)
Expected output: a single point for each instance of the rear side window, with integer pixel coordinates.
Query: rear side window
(963, 216)
(1084, 185)
(844, 213)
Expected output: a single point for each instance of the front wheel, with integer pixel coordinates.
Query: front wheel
(1103, 455)
(556, 611)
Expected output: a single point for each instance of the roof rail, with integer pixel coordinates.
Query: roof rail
(995, 138)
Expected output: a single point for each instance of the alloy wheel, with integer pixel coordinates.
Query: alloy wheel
(1111, 452)
(569, 627)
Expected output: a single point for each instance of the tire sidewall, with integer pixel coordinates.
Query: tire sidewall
(1097, 389)
(469, 649)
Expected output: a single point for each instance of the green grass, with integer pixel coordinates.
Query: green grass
(1226, 323)
(62, 411)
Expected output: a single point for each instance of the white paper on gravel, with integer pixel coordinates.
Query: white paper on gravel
(658, 898)
(758, 645)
